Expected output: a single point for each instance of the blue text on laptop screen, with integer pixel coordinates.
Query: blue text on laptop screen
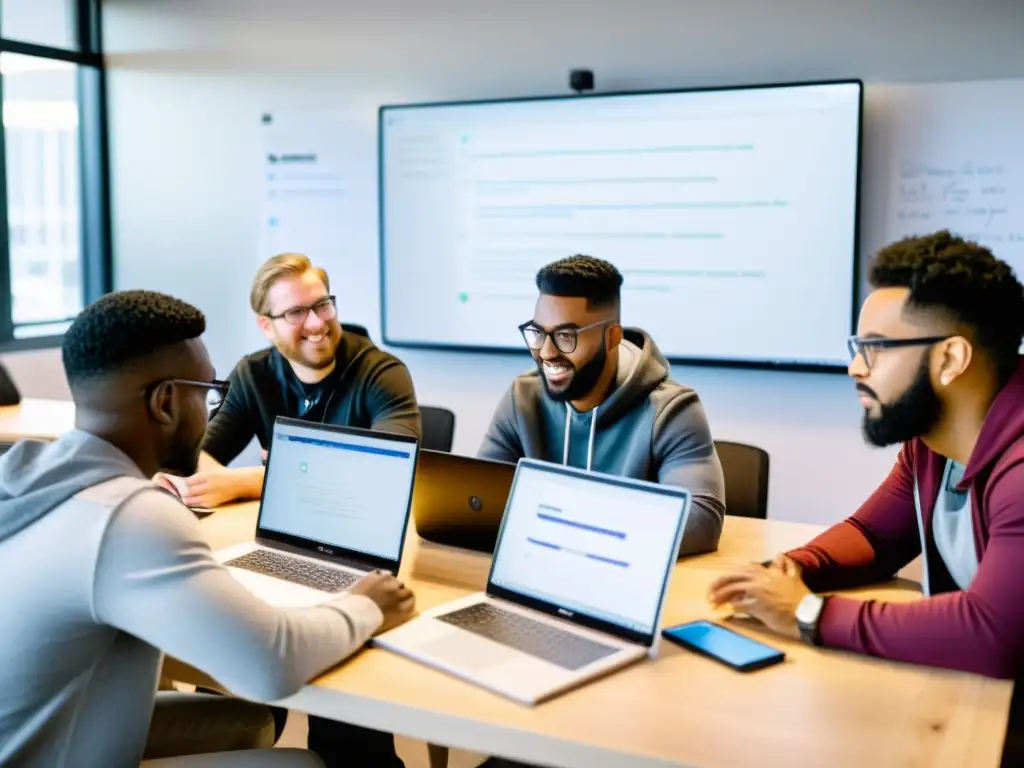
(339, 489)
(591, 547)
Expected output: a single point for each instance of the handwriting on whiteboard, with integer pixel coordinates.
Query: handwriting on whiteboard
(974, 199)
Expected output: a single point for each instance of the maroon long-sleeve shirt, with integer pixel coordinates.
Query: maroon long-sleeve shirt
(980, 629)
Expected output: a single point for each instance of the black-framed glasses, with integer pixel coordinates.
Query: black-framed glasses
(565, 338)
(325, 309)
(216, 390)
(868, 348)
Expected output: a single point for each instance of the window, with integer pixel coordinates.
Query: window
(55, 253)
(44, 22)
(43, 182)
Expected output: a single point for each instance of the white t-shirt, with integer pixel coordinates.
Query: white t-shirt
(952, 527)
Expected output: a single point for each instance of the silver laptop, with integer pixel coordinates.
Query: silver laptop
(576, 587)
(335, 506)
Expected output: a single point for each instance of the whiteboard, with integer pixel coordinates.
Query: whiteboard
(955, 160)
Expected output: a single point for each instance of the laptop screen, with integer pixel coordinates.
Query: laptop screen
(341, 488)
(590, 544)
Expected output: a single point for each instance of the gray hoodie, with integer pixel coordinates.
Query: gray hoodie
(100, 569)
(649, 427)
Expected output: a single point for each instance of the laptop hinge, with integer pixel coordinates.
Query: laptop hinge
(344, 560)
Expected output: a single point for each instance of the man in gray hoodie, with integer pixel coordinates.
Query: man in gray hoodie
(102, 570)
(601, 398)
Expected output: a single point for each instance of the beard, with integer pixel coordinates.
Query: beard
(912, 414)
(317, 360)
(583, 380)
(183, 455)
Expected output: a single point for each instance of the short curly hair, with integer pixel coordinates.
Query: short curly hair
(581, 276)
(965, 282)
(123, 327)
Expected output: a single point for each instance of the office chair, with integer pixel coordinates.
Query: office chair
(438, 428)
(9, 394)
(746, 479)
(358, 330)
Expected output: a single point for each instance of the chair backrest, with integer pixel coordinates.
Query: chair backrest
(438, 428)
(746, 479)
(9, 394)
(354, 328)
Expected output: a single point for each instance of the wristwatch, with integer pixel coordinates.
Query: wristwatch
(808, 612)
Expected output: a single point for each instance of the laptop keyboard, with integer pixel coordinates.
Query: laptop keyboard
(535, 638)
(321, 577)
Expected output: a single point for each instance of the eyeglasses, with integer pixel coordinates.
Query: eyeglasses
(869, 348)
(325, 309)
(565, 338)
(216, 390)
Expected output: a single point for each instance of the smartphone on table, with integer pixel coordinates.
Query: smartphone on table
(724, 645)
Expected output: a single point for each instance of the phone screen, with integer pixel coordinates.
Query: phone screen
(731, 647)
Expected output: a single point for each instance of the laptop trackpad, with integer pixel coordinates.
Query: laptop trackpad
(464, 650)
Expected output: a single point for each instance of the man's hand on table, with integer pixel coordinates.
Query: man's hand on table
(395, 600)
(214, 488)
(769, 594)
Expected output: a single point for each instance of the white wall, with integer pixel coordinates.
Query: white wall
(189, 79)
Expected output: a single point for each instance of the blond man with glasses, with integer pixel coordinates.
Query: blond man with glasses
(313, 370)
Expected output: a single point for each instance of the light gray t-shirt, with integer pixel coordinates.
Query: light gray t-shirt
(94, 591)
(952, 527)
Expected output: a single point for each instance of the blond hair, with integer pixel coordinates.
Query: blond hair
(275, 268)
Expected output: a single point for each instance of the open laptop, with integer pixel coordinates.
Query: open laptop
(576, 587)
(335, 506)
(459, 500)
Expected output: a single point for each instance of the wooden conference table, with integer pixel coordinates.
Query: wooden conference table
(819, 708)
(35, 418)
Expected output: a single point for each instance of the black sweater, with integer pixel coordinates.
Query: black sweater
(368, 388)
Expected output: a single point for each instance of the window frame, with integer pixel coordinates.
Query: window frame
(95, 242)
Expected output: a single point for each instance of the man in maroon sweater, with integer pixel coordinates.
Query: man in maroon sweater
(936, 364)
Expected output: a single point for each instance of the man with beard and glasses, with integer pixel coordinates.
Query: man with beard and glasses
(315, 372)
(936, 364)
(601, 398)
(103, 571)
